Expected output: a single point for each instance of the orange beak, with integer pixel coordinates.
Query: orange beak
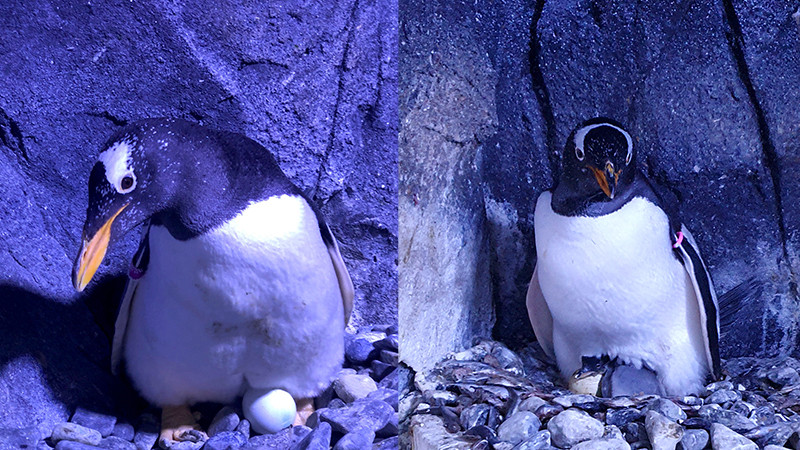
(92, 254)
(607, 179)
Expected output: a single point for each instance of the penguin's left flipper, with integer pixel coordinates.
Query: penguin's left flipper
(686, 248)
(178, 425)
(137, 270)
(342, 275)
(539, 314)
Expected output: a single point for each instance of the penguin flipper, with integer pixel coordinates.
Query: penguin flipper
(138, 267)
(539, 314)
(686, 247)
(345, 282)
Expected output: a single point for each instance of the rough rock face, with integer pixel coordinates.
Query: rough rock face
(706, 89)
(315, 83)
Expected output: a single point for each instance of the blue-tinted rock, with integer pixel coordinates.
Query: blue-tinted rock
(521, 426)
(187, 445)
(620, 417)
(225, 420)
(783, 376)
(380, 369)
(225, 440)
(359, 349)
(385, 395)
(539, 441)
(281, 440)
(392, 428)
(68, 431)
(731, 419)
(244, 428)
(693, 440)
(392, 443)
(666, 408)
(355, 440)
(390, 381)
(96, 421)
(369, 414)
(389, 357)
(123, 430)
(116, 443)
(318, 439)
(73, 445)
(474, 415)
(723, 396)
(390, 342)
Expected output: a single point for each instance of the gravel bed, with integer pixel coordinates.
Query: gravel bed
(489, 397)
(358, 411)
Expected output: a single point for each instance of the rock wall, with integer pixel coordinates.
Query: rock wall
(316, 83)
(708, 89)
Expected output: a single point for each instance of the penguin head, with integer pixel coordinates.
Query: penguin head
(124, 191)
(599, 159)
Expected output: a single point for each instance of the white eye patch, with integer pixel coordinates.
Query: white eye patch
(117, 163)
(580, 135)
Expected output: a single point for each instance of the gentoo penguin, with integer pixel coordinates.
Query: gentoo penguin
(618, 277)
(238, 282)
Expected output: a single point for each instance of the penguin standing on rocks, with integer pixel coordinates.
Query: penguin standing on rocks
(238, 283)
(619, 286)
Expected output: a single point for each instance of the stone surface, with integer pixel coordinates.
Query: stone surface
(350, 387)
(68, 431)
(316, 83)
(693, 440)
(723, 438)
(318, 439)
(225, 440)
(663, 433)
(117, 443)
(368, 414)
(447, 112)
(355, 440)
(572, 426)
(282, 440)
(603, 444)
(521, 426)
(225, 420)
(101, 422)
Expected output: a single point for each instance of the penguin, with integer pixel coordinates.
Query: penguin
(238, 282)
(618, 277)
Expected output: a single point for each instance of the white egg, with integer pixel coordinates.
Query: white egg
(269, 410)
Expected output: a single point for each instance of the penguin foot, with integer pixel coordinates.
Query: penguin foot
(179, 425)
(305, 407)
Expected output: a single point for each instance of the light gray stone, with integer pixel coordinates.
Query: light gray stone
(603, 444)
(521, 426)
(664, 434)
(573, 426)
(693, 440)
(723, 438)
(68, 431)
(351, 387)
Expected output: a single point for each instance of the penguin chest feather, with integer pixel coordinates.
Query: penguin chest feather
(614, 287)
(253, 300)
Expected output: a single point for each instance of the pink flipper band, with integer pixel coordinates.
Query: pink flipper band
(678, 242)
(135, 273)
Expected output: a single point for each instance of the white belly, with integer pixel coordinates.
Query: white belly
(614, 287)
(254, 300)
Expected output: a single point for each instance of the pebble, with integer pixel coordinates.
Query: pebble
(392, 443)
(226, 440)
(620, 417)
(68, 431)
(318, 439)
(380, 369)
(694, 440)
(539, 441)
(225, 420)
(531, 404)
(730, 419)
(603, 444)
(350, 387)
(663, 433)
(370, 414)
(355, 440)
(359, 348)
(783, 376)
(546, 412)
(281, 440)
(521, 426)
(116, 443)
(123, 430)
(390, 342)
(666, 408)
(390, 381)
(777, 434)
(723, 438)
(572, 426)
(244, 428)
(724, 396)
(474, 415)
(635, 432)
(566, 401)
(72, 445)
(385, 395)
(96, 421)
(390, 357)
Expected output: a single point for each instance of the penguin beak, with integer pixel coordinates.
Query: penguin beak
(92, 253)
(607, 178)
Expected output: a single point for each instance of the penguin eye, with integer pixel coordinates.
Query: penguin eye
(127, 183)
(579, 153)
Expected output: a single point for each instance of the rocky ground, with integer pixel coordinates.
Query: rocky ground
(358, 411)
(489, 397)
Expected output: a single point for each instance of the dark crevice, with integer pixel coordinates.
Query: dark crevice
(258, 62)
(351, 28)
(11, 135)
(540, 88)
(736, 44)
(108, 116)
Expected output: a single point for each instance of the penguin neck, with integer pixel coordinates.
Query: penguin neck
(568, 200)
